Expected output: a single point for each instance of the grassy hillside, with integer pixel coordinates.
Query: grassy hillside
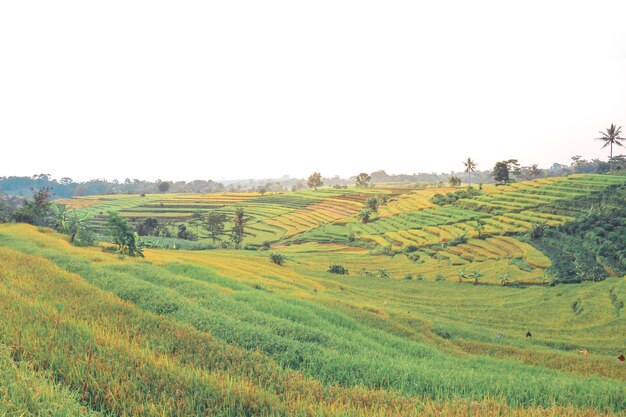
(405, 333)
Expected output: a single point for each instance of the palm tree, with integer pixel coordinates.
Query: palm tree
(534, 171)
(454, 181)
(470, 166)
(239, 226)
(612, 136)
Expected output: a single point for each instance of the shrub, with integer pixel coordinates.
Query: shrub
(278, 258)
(411, 248)
(458, 240)
(124, 236)
(449, 198)
(337, 269)
(537, 231)
(415, 257)
(184, 233)
(84, 237)
(408, 277)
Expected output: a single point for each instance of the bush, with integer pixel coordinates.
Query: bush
(415, 257)
(537, 231)
(278, 258)
(184, 233)
(458, 240)
(337, 269)
(411, 248)
(124, 236)
(84, 237)
(449, 198)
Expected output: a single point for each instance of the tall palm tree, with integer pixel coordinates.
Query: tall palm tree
(470, 166)
(610, 137)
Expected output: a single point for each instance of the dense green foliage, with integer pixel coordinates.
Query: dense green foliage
(449, 198)
(592, 247)
(278, 258)
(124, 236)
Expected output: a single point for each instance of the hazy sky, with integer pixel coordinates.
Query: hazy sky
(240, 89)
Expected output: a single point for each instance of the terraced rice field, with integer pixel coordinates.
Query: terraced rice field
(420, 325)
(228, 333)
(273, 216)
(503, 210)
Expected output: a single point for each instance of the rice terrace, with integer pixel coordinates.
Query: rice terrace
(448, 301)
(312, 209)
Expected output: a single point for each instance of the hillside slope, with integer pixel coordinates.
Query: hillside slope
(227, 332)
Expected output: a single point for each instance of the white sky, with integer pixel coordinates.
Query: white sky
(241, 89)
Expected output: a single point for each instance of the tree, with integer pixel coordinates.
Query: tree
(197, 218)
(151, 227)
(362, 180)
(372, 203)
(185, 234)
(315, 180)
(500, 173)
(239, 227)
(505, 278)
(618, 162)
(4, 211)
(123, 236)
(454, 181)
(164, 187)
(365, 215)
(37, 210)
(214, 225)
(610, 137)
(262, 191)
(470, 166)
(42, 177)
(534, 171)
(514, 167)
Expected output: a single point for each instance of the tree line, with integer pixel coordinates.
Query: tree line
(66, 187)
(227, 231)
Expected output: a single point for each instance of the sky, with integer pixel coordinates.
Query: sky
(258, 89)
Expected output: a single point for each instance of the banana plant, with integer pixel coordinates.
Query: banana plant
(60, 214)
(476, 275)
(77, 223)
(461, 274)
